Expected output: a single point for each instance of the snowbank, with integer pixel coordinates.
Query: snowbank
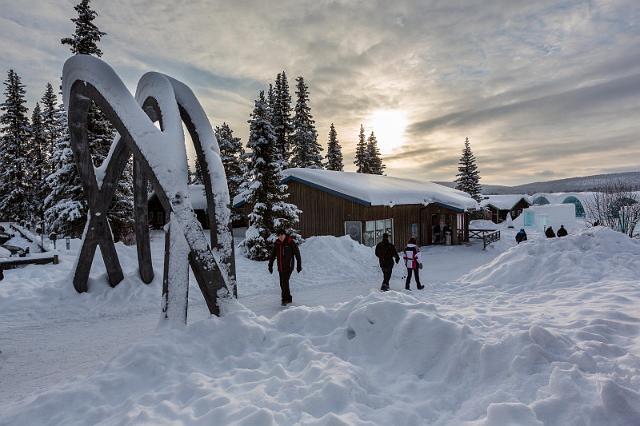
(589, 256)
(546, 333)
(484, 224)
(379, 359)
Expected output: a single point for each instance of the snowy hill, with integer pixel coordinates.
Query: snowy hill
(575, 184)
(545, 332)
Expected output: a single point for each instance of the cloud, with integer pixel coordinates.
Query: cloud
(531, 83)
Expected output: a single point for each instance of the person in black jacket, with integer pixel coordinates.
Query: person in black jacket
(521, 236)
(386, 253)
(286, 252)
(549, 233)
(562, 232)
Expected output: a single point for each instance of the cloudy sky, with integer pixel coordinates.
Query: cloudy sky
(543, 89)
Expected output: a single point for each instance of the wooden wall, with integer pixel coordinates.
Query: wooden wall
(324, 214)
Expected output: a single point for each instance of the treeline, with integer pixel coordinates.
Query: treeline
(39, 182)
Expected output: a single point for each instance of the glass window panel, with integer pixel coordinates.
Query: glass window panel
(370, 225)
(369, 239)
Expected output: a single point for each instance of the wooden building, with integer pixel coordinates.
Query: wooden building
(499, 206)
(366, 206)
(158, 217)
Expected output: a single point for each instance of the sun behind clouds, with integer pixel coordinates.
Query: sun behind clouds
(389, 127)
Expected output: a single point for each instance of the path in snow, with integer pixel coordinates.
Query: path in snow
(49, 335)
(544, 333)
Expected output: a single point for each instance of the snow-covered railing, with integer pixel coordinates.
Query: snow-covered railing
(160, 157)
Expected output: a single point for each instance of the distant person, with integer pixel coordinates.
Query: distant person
(562, 232)
(436, 233)
(446, 234)
(549, 232)
(521, 236)
(412, 260)
(285, 251)
(596, 223)
(386, 254)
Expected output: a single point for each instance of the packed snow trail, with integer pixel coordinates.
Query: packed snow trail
(497, 346)
(49, 333)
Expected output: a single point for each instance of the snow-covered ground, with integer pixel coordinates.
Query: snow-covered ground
(546, 332)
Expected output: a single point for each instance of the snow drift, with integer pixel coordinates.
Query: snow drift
(379, 359)
(592, 255)
(547, 333)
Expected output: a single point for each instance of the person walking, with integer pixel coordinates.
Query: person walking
(562, 232)
(412, 260)
(549, 232)
(436, 233)
(521, 236)
(386, 254)
(286, 252)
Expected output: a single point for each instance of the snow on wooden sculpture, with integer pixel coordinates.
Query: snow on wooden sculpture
(159, 157)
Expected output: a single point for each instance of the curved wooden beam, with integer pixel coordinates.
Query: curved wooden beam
(213, 274)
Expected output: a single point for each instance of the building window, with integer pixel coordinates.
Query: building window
(460, 226)
(353, 228)
(373, 230)
(413, 230)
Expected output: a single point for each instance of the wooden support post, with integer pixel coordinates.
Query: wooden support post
(175, 282)
(143, 243)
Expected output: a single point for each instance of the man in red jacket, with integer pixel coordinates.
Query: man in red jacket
(284, 251)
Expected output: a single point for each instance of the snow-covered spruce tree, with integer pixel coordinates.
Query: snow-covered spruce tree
(65, 206)
(14, 139)
(376, 167)
(52, 125)
(36, 153)
(362, 154)
(281, 118)
(271, 101)
(100, 131)
(121, 210)
(232, 155)
(85, 42)
(266, 193)
(195, 175)
(334, 151)
(468, 177)
(305, 149)
(87, 35)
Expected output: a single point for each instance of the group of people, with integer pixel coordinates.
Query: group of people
(549, 233)
(441, 233)
(286, 255)
(387, 255)
(562, 232)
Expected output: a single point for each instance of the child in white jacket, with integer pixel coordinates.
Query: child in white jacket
(413, 262)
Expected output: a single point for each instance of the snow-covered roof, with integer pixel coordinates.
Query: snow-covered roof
(197, 196)
(503, 202)
(376, 190)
